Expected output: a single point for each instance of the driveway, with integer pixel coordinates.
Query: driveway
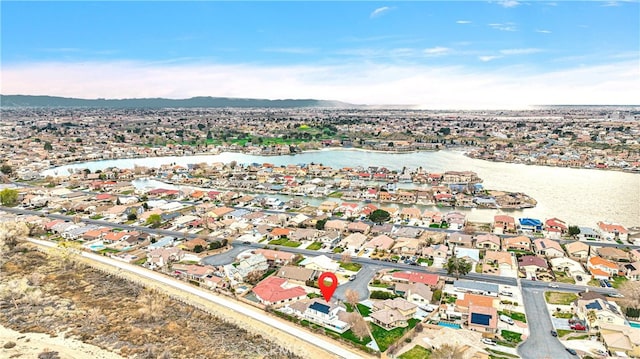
(540, 343)
(360, 284)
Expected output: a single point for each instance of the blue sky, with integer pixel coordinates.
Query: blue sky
(431, 54)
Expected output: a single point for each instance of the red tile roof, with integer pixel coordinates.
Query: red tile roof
(413, 277)
(271, 290)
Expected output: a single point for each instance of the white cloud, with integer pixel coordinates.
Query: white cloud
(544, 31)
(355, 82)
(525, 51)
(437, 51)
(488, 58)
(379, 11)
(463, 22)
(509, 3)
(507, 26)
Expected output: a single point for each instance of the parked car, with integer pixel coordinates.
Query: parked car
(554, 285)
(607, 283)
(554, 333)
(579, 278)
(488, 341)
(507, 294)
(616, 295)
(506, 319)
(571, 351)
(352, 278)
(578, 326)
(602, 283)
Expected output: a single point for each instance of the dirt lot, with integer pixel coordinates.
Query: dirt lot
(63, 298)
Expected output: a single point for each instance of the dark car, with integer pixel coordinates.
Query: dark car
(579, 278)
(602, 283)
(571, 351)
(607, 283)
(554, 333)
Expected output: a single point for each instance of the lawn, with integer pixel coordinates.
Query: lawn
(499, 354)
(285, 242)
(338, 250)
(512, 337)
(314, 246)
(354, 267)
(385, 338)
(562, 277)
(514, 315)
(560, 298)
(429, 261)
(417, 352)
(364, 310)
(618, 281)
(563, 332)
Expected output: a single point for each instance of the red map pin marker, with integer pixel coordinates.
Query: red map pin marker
(327, 289)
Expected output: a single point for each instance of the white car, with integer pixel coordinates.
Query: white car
(488, 341)
(554, 285)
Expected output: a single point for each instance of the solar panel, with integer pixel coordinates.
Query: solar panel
(480, 319)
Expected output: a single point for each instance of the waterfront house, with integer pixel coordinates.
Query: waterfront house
(588, 234)
(504, 224)
(612, 231)
(488, 241)
(409, 213)
(548, 248)
(456, 220)
(275, 291)
(577, 249)
(554, 228)
(530, 225)
(601, 268)
(520, 243)
(458, 239)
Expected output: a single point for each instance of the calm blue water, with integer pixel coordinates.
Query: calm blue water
(578, 196)
(634, 324)
(449, 325)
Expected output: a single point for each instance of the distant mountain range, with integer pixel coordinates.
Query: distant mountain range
(194, 102)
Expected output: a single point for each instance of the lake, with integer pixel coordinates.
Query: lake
(577, 196)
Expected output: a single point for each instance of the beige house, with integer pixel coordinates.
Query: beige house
(488, 241)
(521, 243)
(577, 249)
(393, 313)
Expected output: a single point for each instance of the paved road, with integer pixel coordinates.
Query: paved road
(227, 257)
(231, 304)
(540, 343)
(360, 284)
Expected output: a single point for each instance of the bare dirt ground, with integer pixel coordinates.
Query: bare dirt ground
(62, 298)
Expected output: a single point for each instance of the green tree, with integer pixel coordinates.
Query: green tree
(198, 248)
(154, 220)
(9, 197)
(320, 224)
(6, 169)
(47, 146)
(458, 267)
(379, 216)
(574, 230)
(132, 216)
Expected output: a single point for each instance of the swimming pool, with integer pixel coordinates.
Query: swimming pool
(634, 324)
(449, 325)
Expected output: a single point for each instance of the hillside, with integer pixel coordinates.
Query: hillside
(193, 102)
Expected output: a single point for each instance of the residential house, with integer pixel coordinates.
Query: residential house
(554, 228)
(520, 243)
(191, 244)
(330, 238)
(588, 234)
(606, 312)
(469, 286)
(336, 225)
(328, 206)
(530, 225)
(548, 248)
(601, 268)
(407, 246)
(416, 293)
(471, 255)
(323, 314)
(488, 241)
(353, 242)
(612, 232)
(160, 257)
(632, 270)
(320, 263)
(409, 213)
(304, 234)
(456, 220)
(393, 313)
(275, 291)
(500, 263)
(482, 319)
(409, 232)
(567, 265)
(613, 254)
(437, 252)
(577, 249)
(358, 227)
(532, 265)
(620, 338)
(504, 224)
(279, 233)
(381, 242)
(295, 274)
(276, 257)
(459, 239)
(415, 277)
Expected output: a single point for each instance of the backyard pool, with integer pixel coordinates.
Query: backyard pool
(449, 325)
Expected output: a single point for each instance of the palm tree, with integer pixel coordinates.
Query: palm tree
(447, 351)
(591, 318)
(458, 267)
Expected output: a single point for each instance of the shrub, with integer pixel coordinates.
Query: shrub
(9, 345)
